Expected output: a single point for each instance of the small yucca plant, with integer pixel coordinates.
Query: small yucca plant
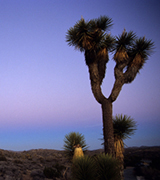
(72, 139)
(107, 168)
(83, 168)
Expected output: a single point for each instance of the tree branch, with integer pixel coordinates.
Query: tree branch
(130, 74)
(119, 80)
(116, 90)
(102, 69)
(95, 82)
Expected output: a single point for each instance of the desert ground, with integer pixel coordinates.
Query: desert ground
(45, 164)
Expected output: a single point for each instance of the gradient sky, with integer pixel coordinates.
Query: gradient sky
(45, 90)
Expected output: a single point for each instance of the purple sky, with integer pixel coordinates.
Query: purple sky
(44, 84)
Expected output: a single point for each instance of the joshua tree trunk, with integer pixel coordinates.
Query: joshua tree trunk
(106, 105)
(108, 126)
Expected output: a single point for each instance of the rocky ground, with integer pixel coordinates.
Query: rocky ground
(38, 164)
(32, 164)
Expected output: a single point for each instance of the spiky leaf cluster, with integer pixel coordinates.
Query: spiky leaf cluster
(101, 167)
(83, 168)
(124, 126)
(101, 23)
(124, 41)
(89, 35)
(142, 47)
(127, 47)
(107, 167)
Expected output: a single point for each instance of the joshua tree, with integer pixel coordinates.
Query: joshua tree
(130, 54)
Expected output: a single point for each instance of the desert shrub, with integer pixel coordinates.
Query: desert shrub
(50, 159)
(54, 171)
(17, 161)
(83, 168)
(49, 172)
(71, 140)
(2, 157)
(59, 167)
(41, 159)
(28, 156)
(107, 168)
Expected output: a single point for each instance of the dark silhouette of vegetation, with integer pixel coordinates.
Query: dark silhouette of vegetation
(83, 168)
(100, 167)
(130, 54)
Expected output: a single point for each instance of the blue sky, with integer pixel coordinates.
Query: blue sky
(44, 84)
